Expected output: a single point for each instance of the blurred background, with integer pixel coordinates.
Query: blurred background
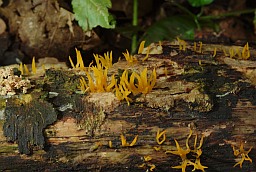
(54, 28)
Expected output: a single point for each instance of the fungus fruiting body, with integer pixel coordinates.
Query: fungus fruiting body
(130, 58)
(124, 142)
(159, 135)
(80, 62)
(196, 152)
(141, 47)
(97, 79)
(242, 153)
(147, 163)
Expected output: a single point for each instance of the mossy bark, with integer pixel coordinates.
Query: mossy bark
(214, 97)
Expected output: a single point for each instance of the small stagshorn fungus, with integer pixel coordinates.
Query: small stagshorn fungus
(196, 152)
(243, 154)
(98, 80)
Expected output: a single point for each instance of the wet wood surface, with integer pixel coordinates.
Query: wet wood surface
(214, 97)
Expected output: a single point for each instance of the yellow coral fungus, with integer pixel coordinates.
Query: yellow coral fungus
(110, 145)
(246, 52)
(200, 47)
(181, 152)
(214, 52)
(194, 47)
(134, 140)
(99, 83)
(147, 158)
(182, 44)
(241, 152)
(147, 54)
(79, 59)
(196, 152)
(26, 70)
(157, 148)
(122, 92)
(147, 164)
(129, 58)
(21, 69)
(152, 167)
(231, 53)
(159, 135)
(124, 143)
(141, 47)
(105, 61)
(145, 84)
(83, 85)
(33, 66)
(97, 75)
(224, 51)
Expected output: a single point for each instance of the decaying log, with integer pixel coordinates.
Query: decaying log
(62, 130)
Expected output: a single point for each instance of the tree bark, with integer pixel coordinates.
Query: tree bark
(214, 97)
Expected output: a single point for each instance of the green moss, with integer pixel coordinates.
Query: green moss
(60, 80)
(12, 148)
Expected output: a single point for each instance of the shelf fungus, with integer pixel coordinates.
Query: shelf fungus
(242, 153)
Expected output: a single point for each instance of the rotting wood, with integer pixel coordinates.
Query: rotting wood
(215, 97)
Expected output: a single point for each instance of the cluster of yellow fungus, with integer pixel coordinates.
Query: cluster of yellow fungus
(130, 58)
(147, 164)
(193, 153)
(105, 60)
(182, 44)
(196, 152)
(124, 143)
(98, 81)
(237, 53)
(24, 69)
(126, 86)
(79, 61)
(242, 153)
(232, 53)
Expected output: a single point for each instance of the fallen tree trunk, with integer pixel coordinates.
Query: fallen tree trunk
(212, 97)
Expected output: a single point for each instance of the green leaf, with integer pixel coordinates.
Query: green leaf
(170, 28)
(199, 3)
(92, 13)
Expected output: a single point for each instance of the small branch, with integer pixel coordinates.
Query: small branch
(134, 23)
